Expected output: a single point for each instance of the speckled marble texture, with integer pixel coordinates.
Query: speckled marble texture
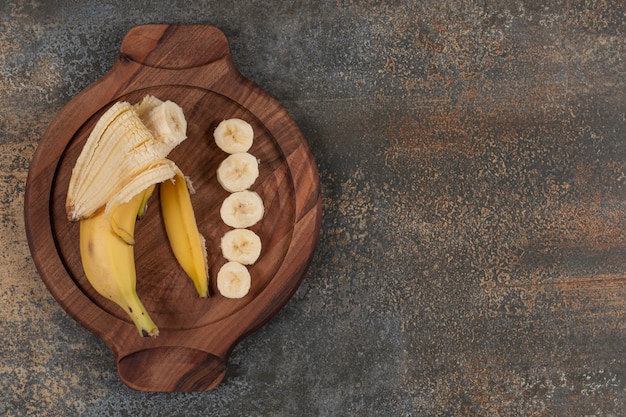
(472, 259)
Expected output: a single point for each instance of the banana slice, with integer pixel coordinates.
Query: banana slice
(242, 209)
(238, 172)
(233, 280)
(234, 135)
(241, 245)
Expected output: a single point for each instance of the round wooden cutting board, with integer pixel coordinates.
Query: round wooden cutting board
(190, 65)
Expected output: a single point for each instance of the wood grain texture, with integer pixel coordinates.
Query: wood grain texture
(191, 65)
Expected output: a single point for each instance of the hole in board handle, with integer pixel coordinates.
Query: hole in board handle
(170, 369)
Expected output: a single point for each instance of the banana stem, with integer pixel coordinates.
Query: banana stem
(140, 317)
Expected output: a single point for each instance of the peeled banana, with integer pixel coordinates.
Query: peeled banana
(167, 123)
(165, 120)
(238, 172)
(234, 135)
(233, 280)
(242, 209)
(122, 156)
(109, 264)
(187, 243)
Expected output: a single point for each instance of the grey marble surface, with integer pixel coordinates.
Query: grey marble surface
(472, 259)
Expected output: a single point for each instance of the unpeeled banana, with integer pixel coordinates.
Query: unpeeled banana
(109, 264)
(123, 160)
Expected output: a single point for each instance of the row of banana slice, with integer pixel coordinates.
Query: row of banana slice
(241, 209)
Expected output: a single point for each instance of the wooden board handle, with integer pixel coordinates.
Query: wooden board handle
(169, 46)
(187, 369)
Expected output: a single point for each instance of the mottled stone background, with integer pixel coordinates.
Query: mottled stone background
(472, 259)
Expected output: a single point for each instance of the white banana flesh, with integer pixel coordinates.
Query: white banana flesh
(233, 280)
(147, 103)
(242, 209)
(109, 264)
(241, 245)
(234, 135)
(238, 172)
(168, 124)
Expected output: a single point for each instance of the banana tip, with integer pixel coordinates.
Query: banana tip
(150, 333)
